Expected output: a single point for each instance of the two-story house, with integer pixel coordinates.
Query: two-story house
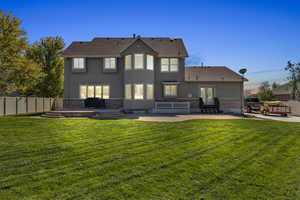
(134, 73)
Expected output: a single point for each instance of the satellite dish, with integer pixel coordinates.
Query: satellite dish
(243, 71)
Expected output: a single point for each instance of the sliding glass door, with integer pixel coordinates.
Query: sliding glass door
(207, 94)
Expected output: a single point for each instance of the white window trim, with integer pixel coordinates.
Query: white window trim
(143, 95)
(143, 61)
(150, 97)
(164, 89)
(110, 67)
(148, 67)
(214, 90)
(169, 65)
(130, 64)
(73, 64)
(94, 91)
(128, 96)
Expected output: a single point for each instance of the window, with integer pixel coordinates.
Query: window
(170, 90)
(78, 63)
(105, 92)
(207, 94)
(149, 91)
(164, 64)
(98, 91)
(138, 91)
(150, 62)
(127, 62)
(90, 91)
(169, 64)
(174, 65)
(109, 63)
(138, 61)
(82, 91)
(127, 91)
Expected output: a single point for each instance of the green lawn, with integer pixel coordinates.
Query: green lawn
(126, 159)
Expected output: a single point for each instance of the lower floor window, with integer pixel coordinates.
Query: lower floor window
(90, 91)
(170, 90)
(138, 91)
(150, 91)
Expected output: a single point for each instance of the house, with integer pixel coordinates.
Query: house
(284, 92)
(137, 72)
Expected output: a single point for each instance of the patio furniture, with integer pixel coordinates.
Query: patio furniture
(209, 108)
(94, 103)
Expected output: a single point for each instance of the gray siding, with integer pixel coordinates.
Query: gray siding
(94, 75)
(229, 93)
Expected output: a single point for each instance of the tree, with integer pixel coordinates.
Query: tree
(274, 85)
(294, 77)
(264, 86)
(265, 92)
(266, 96)
(47, 53)
(17, 73)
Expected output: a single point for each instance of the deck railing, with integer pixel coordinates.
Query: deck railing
(172, 107)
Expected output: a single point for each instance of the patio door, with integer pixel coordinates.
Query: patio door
(207, 94)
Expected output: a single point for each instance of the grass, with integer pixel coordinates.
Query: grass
(126, 159)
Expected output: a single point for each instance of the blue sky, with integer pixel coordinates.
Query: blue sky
(261, 35)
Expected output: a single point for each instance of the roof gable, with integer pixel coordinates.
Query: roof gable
(103, 47)
(135, 44)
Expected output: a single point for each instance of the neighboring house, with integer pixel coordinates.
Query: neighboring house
(284, 92)
(134, 73)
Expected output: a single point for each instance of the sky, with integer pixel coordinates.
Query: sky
(260, 35)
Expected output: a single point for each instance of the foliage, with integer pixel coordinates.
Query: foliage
(265, 92)
(17, 73)
(294, 77)
(129, 159)
(264, 86)
(47, 53)
(274, 85)
(266, 96)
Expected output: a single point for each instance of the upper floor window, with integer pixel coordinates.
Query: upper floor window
(138, 61)
(109, 63)
(78, 63)
(128, 62)
(150, 62)
(169, 64)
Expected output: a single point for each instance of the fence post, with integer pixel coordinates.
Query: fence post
(4, 106)
(43, 105)
(26, 104)
(16, 105)
(35, 104)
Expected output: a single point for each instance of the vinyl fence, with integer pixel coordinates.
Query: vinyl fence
(24, 105)
(295, 106)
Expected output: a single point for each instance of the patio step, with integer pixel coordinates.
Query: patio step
(52, 115)
(103, 114)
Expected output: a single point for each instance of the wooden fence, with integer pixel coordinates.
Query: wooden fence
(24, 105)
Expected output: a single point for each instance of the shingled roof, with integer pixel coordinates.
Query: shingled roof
(104, 47)
(212, 73)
